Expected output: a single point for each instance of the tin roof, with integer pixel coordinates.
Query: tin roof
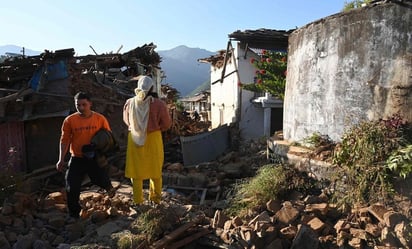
(269, 39)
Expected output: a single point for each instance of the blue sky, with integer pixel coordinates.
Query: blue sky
(106, 25)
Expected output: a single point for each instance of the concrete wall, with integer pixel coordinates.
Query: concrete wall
(251, 123)
(225, 96)
(349, 67)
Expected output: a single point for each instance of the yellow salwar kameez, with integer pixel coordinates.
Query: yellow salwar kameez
(145, 162)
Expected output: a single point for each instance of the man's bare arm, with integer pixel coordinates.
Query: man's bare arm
(62, 153)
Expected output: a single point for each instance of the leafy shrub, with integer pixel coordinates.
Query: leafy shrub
(400, 161)
(270, 74)
(355, 4)
(364, 175)
(317, 140)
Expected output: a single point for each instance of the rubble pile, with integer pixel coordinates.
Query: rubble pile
(37, 218)
(298, 222)
(182, 123)
(311, 222)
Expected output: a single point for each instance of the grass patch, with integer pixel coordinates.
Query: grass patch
(129, 240)
(271, 182)
(154, 222)
(316, 140)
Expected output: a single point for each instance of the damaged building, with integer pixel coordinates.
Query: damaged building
(36, 94)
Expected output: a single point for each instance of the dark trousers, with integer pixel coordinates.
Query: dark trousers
(78, 168)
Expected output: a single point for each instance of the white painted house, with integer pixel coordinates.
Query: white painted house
(257, 116)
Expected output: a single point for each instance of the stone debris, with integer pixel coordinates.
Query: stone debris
(26, 222)
(38, 220)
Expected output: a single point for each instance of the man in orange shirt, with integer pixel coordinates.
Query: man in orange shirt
(77, 132)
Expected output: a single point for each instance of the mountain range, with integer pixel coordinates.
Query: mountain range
(182, 70)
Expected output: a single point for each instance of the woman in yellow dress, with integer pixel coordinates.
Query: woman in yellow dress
(147, 117)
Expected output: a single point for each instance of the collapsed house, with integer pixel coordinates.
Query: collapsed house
(36, 94)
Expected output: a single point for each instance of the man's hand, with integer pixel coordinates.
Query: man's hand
(60, 166)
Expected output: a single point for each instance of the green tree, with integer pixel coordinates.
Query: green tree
(355, 4)
(270, 74)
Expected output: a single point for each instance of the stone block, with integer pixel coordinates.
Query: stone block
(287, 214)
(317, 208)
(219, 219)
(316, 224)
(237, 221)
(377, 210)
(359, 233)
(57, 197)
(289, 232)
(373, 230)
(228, 225)
(388, 238)
(392, 218)
(305, 238)
(273, 206)
(403, 232)
(262, 217)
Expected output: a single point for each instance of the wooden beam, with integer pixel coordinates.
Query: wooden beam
(172, 236)
(14, 96)
(189, 239)
(226, 57)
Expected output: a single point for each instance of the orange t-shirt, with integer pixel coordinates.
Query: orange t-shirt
(78, 131)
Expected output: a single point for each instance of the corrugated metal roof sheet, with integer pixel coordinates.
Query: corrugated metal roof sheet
(270, 39)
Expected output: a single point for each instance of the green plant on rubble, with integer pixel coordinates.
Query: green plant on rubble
(154, 222)
(271, 182)
(317, 140)
(364, 175)
(400, 161)
(129, 241)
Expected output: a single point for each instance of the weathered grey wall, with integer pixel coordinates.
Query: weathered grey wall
(349, 67)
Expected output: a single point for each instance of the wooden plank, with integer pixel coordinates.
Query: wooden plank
(171, 236)
(204, 191)
(13, 96)
(8, 90)
(189, 239)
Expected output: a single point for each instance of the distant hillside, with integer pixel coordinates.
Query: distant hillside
(182, 69)
(17, 50)
(203, 87)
